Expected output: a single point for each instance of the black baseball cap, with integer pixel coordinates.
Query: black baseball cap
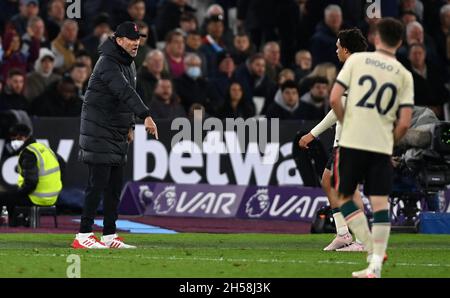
(129, 30)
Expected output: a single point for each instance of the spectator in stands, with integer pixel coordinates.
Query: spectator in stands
(33, 40)
(284, 75)
(27, 10)
(272, 52)
(258, 88)
(314, 104)
(192, 87)
(412, 5)
(197, 112)
(136, 10)
(102, 29)
(66, 45)
(212, 10)
(55, 18)
(408, 17)
(42, 76)
(326, 70)
(59, 100)
(79, 74)
(415, 34)
(216, 11)
(83, 56)
(213, 42)
(193, 45)
(429, 83)
(12, 57)
(12, 97)
(323, 42)
(174, 49)
(169, 14)
(262, 19)
(149, 74)
(223, 78)
(303, 64)
(286, 105)
(138, 13)
(143, 46)
(442, 37)
(8, 9)
(242, 48)
(188, 22)
(235, 105)
(164, 104)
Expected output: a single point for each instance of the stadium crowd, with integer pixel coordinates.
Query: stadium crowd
(240, 58)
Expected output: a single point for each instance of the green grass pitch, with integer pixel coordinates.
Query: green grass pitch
(220, 255)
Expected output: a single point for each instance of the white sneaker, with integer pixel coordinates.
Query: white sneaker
(339, 242)
(87, 241)
(114, 241)
(354, 246)
(367, 273)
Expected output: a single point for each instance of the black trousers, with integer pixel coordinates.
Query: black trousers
(103, 180)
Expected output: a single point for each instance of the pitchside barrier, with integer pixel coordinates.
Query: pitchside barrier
(200, 175)
(222, 201)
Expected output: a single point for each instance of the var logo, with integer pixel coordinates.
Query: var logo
(258, 204)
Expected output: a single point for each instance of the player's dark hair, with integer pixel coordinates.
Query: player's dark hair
(15, 72)
(391, 31)
(353, 40)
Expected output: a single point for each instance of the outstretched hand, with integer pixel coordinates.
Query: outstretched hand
(150, 126)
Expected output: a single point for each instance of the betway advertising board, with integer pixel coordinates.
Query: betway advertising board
(202, 200)
(171, 160)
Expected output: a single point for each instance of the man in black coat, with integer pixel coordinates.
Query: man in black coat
(107, 121)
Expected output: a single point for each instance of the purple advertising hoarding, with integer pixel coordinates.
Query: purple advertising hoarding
(202, 200)
(187, 200)
(282, 203)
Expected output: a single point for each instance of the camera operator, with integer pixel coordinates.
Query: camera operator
(420, 166)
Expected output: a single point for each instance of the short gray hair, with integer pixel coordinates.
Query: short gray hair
(190, 56)
(444, 9)
(151, 54)
(413, 25)
(332, 8)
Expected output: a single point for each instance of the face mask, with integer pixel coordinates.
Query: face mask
(16, 144)
(194, 72)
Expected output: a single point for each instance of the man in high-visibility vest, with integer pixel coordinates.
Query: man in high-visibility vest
(39, 181)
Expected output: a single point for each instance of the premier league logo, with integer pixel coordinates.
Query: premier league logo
(165, 201)
(258, 204)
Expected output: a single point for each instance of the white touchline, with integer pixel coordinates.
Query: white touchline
(175, 258)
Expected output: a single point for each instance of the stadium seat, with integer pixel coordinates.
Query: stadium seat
(35, 212)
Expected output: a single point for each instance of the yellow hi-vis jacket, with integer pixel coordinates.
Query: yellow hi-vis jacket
(49, 185)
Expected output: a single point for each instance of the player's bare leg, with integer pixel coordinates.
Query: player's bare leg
(356, 245)
(380, 235)
(343, 237)
(357, 221)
